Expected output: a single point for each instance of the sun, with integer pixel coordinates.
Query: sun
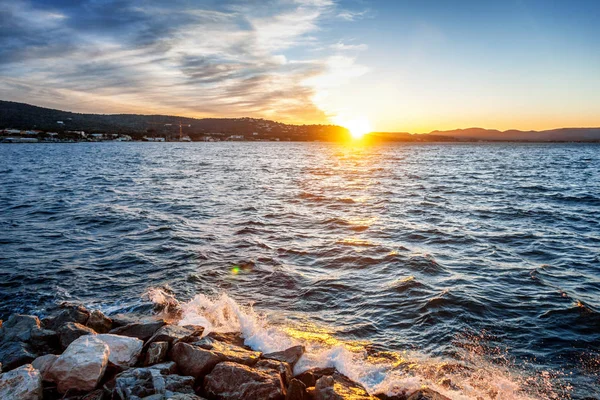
(358, 127)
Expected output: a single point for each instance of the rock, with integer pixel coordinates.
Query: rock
(97, 394)
(427, 394)
(23, 383)
(229, 381)
(71, 331)
(296, 390)
(44, 341)
(81, 366)
(283, 368)
(18, 328)
(14, 354)
(69, 313)
(157, 353)
(290, 356)
(197, 361)
(143, 382)
(310, 377)
(339, 387)
(234, 338)
(99, 322)
(140, 330)
(175, 333)
(124, 350)
(184, 396)
(43, 364)
(167, 368)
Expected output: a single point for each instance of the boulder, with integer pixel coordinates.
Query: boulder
(283, 368)
(296, 390)
(290, 356)
(156, 353)
(167, 368)
(69, 312)
(427, 394)
(175, 333)
(142, 382)
(339, 387)
(310, 377)
(234, 338)
(81, 366)
(44, 341)
(18, 328)
(44, 364)
(71, 331)
(229, 381)
(124, 350)
(197, 361)
(14, 354)
(23, 383)
(140, 330)
(99, 322)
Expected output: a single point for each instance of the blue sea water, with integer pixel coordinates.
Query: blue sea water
(487, 254)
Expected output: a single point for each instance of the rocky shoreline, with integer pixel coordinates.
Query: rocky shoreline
(80, 354)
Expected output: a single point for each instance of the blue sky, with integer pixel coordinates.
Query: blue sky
(402, 65)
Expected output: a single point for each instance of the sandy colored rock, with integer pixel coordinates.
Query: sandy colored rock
(290, 356)
(71, 331)
(427, 394)
(194, 361)
(156, 353)
(124, 350)
(229, 381)
(44, 364)
(339, 387)
(99, 322)
(81, 366)
(23, 383)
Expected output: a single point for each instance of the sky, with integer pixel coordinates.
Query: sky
(402, 65)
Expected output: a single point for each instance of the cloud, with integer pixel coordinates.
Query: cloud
(348, 15)
(339, 46)
(208, 58)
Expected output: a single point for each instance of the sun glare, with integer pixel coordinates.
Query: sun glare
(358, 127)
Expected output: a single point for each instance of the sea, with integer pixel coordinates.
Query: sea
(470, 268)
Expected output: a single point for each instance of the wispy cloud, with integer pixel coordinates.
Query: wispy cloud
(225, 58)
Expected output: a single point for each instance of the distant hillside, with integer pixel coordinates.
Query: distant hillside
(560, 135)
(25, 116)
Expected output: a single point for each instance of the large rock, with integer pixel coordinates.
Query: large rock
(427, 394)
(229, 381)
(81, 366)
(290, 356)
(99, 322)
(156, 353)
(175, 333)
(140, 330)
(19, 327)
(23, 383)
(124, 350)
(143, 382)
(197, 361)
(44, 364)
(71, 331)
(14, 354)
(296, 390)
(310, 377)
(339, 387)
(284, 369)
(69, 312)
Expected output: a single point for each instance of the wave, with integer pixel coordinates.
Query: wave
(381, 372)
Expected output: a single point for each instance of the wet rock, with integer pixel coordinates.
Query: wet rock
(157, 353)
(230, 380)
(23, 383)
(167, 368)
(284, 369)
(339, 387)
(71, 331)
(230, 352)
(44, 364)
(14, 354)
(310, 377)
(99, 322)
(234, 338)
(140, 330)
(124, 350)
(427, 394)
(69, 312)
(296, 390)
(175, 333)
(194, 361)
(44, 341)
(290, 356)
(143, 382)
(81, 366)
(18, 328)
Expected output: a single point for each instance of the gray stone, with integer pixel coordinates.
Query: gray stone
(229, 381)
(99, 322)
(14, 354)
(144, 382)
(290, 356)
(19, 327)
(140, 330)
(23, 383)
(44, 364)
(157, 353)
(71, 331)
(175, 333)
(124, 350)
(166, 368)
(194, 361)
(68, 313)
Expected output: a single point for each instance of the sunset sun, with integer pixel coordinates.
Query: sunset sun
(358, 127)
